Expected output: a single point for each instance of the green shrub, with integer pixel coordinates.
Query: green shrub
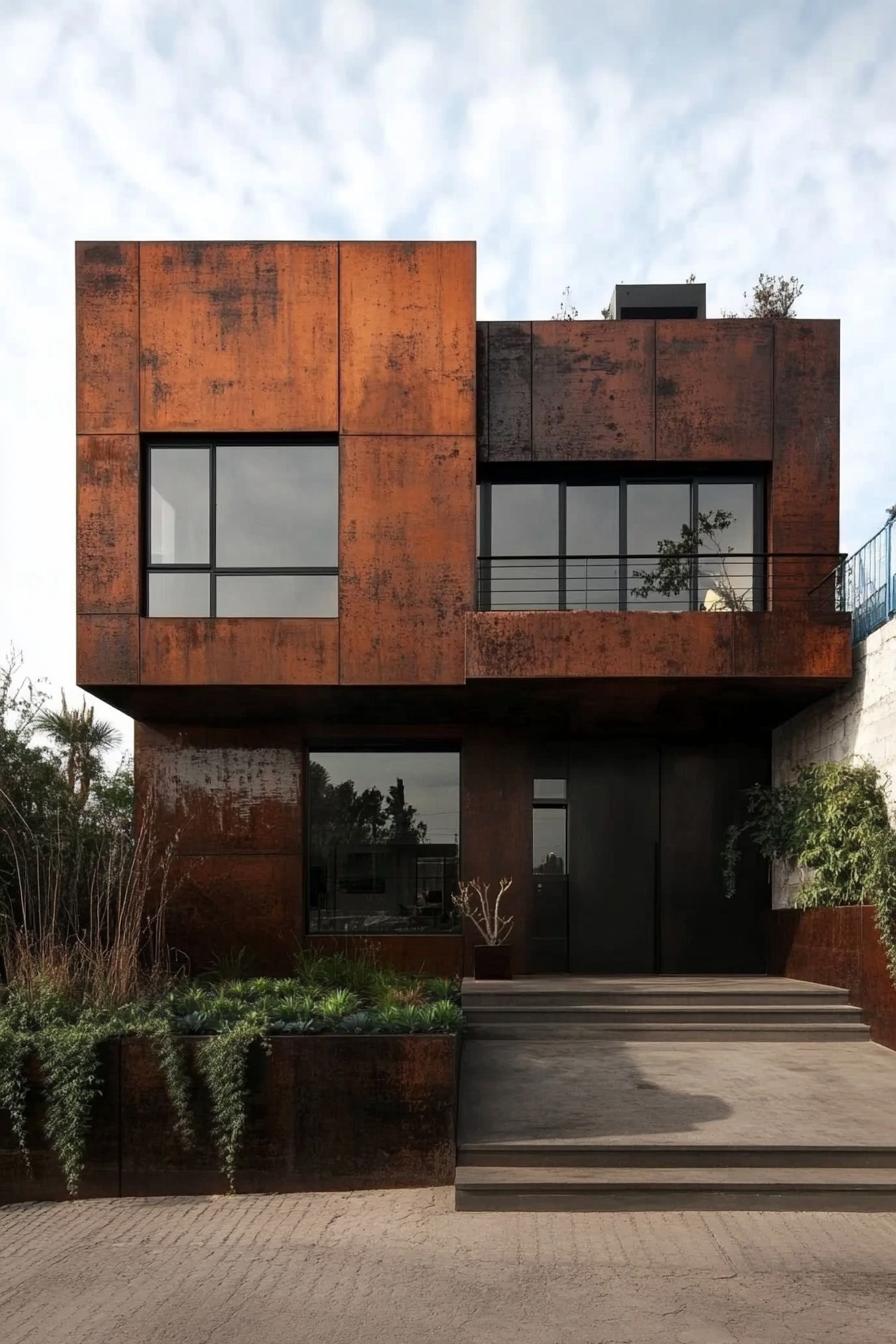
(831, 820)
(223, 1059)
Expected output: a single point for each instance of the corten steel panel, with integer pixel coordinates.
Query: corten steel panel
(407, 517)
(106, 323)
(238, 336)
(496, 827)
(407, 338)
(655, 644)
(714, 390)
(223, 902)
(804, 506)
(593, 391)
(509, 392)
(108, 504)
(108, 650)
(482, 389)
(221, 790)
(234, 651)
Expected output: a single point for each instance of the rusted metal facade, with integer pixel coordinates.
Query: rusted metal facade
(378, 343)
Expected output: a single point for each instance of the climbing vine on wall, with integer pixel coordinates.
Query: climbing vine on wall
(831, 822)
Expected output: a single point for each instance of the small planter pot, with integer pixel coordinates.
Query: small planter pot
(491, 963)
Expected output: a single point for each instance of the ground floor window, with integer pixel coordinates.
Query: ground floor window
(383, 832)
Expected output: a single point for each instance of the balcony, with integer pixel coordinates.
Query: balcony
(751, 616)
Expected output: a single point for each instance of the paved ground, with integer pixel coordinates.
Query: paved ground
(403, 1268)
(693, 1092)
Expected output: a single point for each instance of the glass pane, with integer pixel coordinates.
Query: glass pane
(277, 505)
(655, 512)
(383, 839)
(178, 506)
(727, 584)
(549, 788)
(592, 530)
(277, 595)
(526, 523)
(178, 594)
(549, 840)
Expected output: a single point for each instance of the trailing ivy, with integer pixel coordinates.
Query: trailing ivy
(830, 821)
(223, 1059)
(68, 1054)
(15, 1047)
(169, 1051)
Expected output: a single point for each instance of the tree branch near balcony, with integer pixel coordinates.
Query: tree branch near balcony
(679, 562)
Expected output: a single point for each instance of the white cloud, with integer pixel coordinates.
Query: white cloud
(580, 144)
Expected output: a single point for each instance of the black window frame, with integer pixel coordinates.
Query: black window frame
(211, 443)
(690, 478)
(371, 746)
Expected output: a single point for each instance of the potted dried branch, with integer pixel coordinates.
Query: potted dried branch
(491, 957)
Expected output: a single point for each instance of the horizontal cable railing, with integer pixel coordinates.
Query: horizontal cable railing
(865, 582)
(697, 581)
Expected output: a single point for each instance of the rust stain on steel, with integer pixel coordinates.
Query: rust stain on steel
(804, 507)
(593, 391)
(714, 390)
(264, 651)
(655, 644)
(509, 390)
(106, 300)
(407, 545)
(108, 650)
(482, 382)
(407, 338)
(221, 789)
(225, 901)
(238, 336)
(108, 513)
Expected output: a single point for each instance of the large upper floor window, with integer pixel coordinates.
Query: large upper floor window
(242, 529)
(383, 833)
(611, 545)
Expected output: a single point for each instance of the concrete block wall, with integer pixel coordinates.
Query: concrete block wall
(857, 722)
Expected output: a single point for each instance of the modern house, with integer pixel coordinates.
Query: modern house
(396, 596)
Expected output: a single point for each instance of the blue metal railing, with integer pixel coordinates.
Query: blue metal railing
(866, 583)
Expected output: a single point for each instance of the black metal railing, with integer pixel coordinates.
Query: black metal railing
(698, 581)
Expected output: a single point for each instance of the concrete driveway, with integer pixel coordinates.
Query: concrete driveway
(402, 1267)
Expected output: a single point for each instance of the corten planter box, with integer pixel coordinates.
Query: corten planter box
(492, 963)
(838, 946)
(326, 1112)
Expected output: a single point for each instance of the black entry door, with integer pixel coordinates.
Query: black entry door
(613, 833)
(703, 931)
(647, 826)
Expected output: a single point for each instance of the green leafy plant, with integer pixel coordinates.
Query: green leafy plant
(223, 1060)
(68, 1054)
(15, 1048)
(830, 821)
(159, 1029)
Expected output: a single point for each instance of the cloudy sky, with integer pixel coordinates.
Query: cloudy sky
(581, 142)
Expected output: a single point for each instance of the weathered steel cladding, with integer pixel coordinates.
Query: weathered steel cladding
(407, 338)
(714, 390)
(229, 651)
(561, 644)
(496, 824)
(108, 650)
(238, 336)
(107, 397)
(108, 533)
(508, 381)
(407, 547)
(593, 391)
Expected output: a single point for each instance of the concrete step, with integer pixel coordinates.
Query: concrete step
(529, 1153)
(659, 1013)
(536, 1189)
(627, 1029)
(735, 998)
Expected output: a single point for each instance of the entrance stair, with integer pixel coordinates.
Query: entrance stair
(672, 1093)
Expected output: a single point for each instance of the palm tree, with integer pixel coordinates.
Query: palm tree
(83, 739)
